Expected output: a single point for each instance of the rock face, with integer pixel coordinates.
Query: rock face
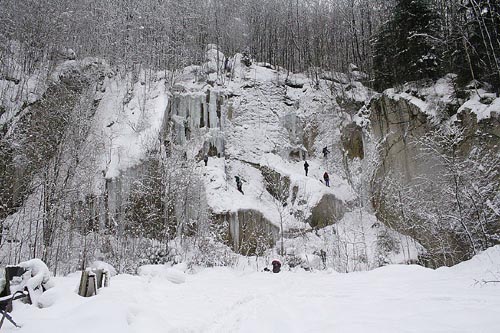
(485, 132)
(416, 188)
(352, 141)
(249, 232)
(399, 123)
(39, 127)
(328, 211)
(276, 184)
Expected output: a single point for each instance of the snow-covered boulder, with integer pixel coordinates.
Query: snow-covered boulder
(36, 278)
(295, 81)
(336, 77)
(352, 141)
(249, 230)
(214, 59)
(327, 211)
(39, 274)
(49, 298)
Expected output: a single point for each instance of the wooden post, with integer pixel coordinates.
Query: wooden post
(107, 277)
(82, 290)
(88, 284)
(99, 274)
(91, 285)
(102, 278)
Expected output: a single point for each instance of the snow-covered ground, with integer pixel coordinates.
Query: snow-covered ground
(395, 298)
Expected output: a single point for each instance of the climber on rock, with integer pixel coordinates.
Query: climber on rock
(325, 152)
(326, 178)
(205, 159)
(306, 167)
(239, 184)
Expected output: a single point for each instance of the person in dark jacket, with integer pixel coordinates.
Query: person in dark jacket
(325, 152)
(239, 184)
(326, 177)
(205, 159)
(276, 266)
(306, 167)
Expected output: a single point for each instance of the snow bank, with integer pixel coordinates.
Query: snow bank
(393, 298)
(104, 266)
(483, 267)
(50, 297)
(171, 274)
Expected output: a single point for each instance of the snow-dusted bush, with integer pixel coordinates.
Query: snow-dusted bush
(386, 244)
(294, 261)
(210, 252)
(156, 254)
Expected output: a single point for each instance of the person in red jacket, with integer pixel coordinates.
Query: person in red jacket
(326, 178)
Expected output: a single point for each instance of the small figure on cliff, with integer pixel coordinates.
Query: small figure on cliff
(205, 159)
(239, 184)
(325, 152)
(326, 178)
(306, 167)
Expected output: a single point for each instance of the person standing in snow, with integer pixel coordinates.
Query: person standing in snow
(326, 178)
(306, 167)
(325, 152)
(205, 159)
(276, 266)
(239, 184)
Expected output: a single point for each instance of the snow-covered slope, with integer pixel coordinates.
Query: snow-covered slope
(130, 130)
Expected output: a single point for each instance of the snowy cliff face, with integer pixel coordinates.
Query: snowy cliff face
(133, 143)
(38, 105)
(438, 177)
(247, 120)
